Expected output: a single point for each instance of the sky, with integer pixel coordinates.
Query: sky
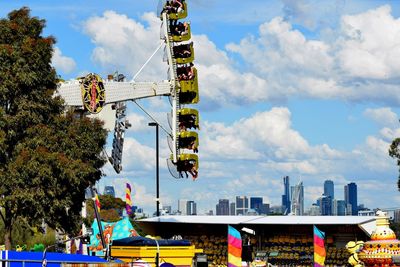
(298, 88)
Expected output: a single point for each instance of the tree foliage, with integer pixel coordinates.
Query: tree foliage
(110, 210)
(394, 152)
(47, 157)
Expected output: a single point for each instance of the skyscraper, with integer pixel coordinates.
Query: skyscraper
(329, 189)
(191, 208)
(232, 208)
(182, 206)
(325, 205)
(256, 204)
(350, 196)
(286, 196)
(297, 201)
(242, 205)
(222, 207)
(338, 207)
(109, 190)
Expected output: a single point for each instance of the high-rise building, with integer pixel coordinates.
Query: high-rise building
(242, 205)
(182, 206)
(329, 189)
(232, 208)
(314, 210)
(297, 201)
(109, 190)
(350, 196)
(264, 209)
(286, 196)
(191, 208)
(222, 207)
(338, 207)
(325, 205)
(256, 204)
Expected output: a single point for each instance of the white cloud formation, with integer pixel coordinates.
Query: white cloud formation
(264, 135)
(370, 44)
(358, 65)
(61, 62)
(383, 116)
(124, 44)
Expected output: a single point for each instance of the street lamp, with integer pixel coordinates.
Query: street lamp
(157, 170)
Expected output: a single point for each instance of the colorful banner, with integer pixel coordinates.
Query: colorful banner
(97, 201)
(128, 200)
(111, 231)
(234, 248)
(319, 248)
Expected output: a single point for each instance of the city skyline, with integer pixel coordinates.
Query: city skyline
(305, 89)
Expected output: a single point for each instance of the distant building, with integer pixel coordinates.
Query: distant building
(314, 210)
(210, 213)
(329, 189)
(182, 206)
(251, 212)
(325, 205)
(191, 208)
(350, 196)
(349, 210)
(297, 201)
(366, 213)
(256, 204)
(265, 209)
(109, 190)
(232, 208)
(338, 207)
(275, 210)
(242, 205)
(396, 216)
(286, 196)
(222, 207)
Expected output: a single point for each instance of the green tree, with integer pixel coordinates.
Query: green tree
(47, 157)
(394, 152)
(110, 209)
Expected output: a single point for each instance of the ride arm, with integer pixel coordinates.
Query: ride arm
(115, 91)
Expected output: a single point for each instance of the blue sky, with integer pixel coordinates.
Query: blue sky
(308, 89)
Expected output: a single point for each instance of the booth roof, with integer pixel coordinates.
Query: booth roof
(366, 223)
(292, 220)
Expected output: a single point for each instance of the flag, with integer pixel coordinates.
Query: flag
(319, 248)
(97, 201)
(234, 248)
(128, 200)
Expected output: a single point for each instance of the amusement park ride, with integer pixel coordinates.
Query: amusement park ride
(91, 93)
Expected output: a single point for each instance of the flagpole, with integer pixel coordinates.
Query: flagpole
(96, 213)
(313, 243)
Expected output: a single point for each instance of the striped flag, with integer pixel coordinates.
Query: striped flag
(234, 247)
(319, 248)
(97, 201)
(128, 200)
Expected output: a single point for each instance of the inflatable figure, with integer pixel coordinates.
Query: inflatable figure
(354, 248)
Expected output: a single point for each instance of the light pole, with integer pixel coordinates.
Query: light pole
(157, 170)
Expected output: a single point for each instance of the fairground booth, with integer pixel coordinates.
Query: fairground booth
(282, 239)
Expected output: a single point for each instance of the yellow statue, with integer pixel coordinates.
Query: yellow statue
(354, 248)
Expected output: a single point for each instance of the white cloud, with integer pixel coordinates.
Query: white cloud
(370, 44)
(358, 65)
(264, 135)
(61, 62)
(383, 116)
(137, 156)
(125, 44)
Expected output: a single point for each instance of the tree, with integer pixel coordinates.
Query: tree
(394, 152)
(110, 211)
(48, 157)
